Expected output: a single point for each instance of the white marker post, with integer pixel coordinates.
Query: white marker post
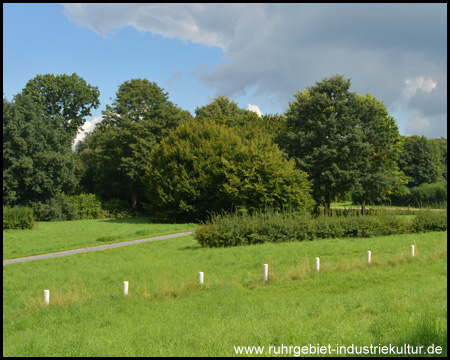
(200, 278)
(266, 273)
(369, 257)
(125, 288)
(412, 250)
(46, 297)
(317, 264)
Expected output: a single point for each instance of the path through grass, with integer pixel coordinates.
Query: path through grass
(56, 236)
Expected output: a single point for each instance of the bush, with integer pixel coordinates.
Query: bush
(18, 217)
(426, 221)
(55, 209)
(271, 226)
(88, 206)
(429, 194)
(204, 167)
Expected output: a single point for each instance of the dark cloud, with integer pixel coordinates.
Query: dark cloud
(276, 49)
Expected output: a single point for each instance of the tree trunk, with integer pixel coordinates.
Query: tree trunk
(363, 207)
(134, 202)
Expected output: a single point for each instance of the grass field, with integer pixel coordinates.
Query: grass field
(56, 236)
(395, 300)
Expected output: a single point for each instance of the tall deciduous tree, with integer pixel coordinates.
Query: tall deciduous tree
(320, 136)
(378, 174)
(344, 141)
(37, 161)
(116, 152)
(420, 160)
(65, 99)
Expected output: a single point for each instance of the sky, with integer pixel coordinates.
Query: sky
(259, 55)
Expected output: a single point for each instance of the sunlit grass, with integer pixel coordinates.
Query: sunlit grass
(394, 300)
(67, 235)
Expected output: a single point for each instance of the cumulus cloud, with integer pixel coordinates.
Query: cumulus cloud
(88, 126)
(255, 108)
(397, 52)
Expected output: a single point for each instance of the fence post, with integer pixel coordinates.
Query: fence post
(200, 278)
(369, 257)
(125, 288)
(266, 272)
(46, 297)
(317, 264)
(412, 250)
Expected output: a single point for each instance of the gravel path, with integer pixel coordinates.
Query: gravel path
(94, 248)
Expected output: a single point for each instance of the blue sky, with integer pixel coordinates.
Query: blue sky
(257, 54)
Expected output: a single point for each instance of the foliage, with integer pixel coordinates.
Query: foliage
(88, 206)
(222, 230)
(428, 194)
(57, 208)
(115, 154)
(421, 160)
(38, 163)
(17, 217)
(427, 221)
(204, 167)
(66, 100)
(345, 142)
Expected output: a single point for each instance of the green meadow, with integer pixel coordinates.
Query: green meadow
(46, 237)
(395, 300)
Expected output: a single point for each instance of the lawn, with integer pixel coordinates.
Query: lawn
(395, 300)
(56, 236)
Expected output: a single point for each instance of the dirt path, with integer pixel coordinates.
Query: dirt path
(94, 248)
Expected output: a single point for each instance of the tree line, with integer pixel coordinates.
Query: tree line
(149, 155)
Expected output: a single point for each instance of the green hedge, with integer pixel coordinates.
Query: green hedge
(18, 217)
(244, 229)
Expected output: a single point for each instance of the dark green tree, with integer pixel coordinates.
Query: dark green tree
(65, 100)
(116, 152)
(345, 142)
(37, 161)
(379, 147)
(320, 136)
(420, 160)
(203, 167)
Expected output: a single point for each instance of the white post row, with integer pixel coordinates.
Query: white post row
(46, 297)
(200, 277)
(412, 250)
(369, 257)
(125, 288)
(266, 273)
(317, 264)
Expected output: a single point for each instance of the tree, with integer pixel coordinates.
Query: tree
(345, 142)
(116, 152)
(420, 160)
(203, 167)
(320, 137)
(222, 110)
(378, 174)
(37, 162)
(66, 100)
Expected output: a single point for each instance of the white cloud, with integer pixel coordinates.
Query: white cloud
(87, 127)
(418, 83)
(255, 108)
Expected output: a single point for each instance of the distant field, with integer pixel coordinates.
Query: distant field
(67, 235)
(395, 300)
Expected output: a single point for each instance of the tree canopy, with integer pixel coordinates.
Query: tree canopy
(115, 154)
(204, 167)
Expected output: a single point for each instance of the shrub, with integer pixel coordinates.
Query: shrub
(204, 167)
(88, 206)
(430, 221)
(18, 217)
(429, 194)
(270, 226)
(55, 209)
